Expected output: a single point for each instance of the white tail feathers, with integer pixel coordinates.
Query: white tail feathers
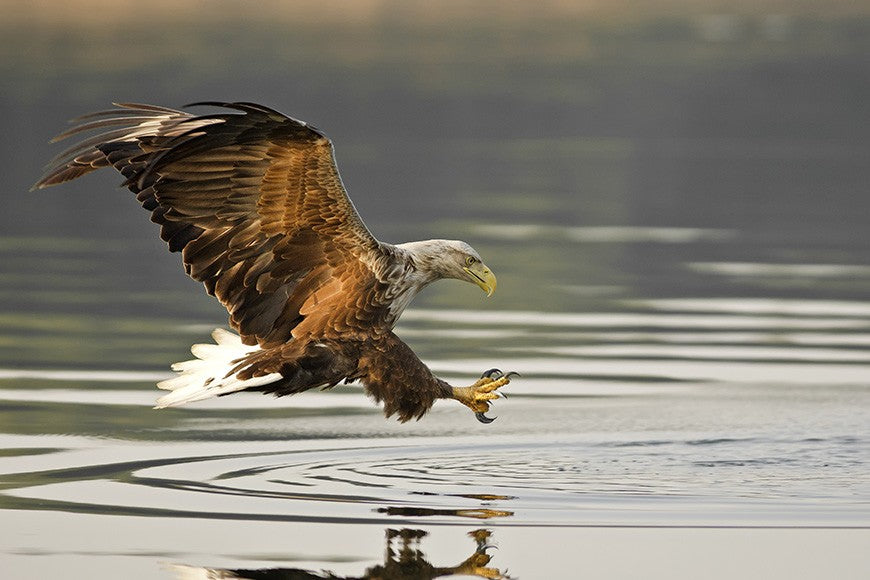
(206, 376)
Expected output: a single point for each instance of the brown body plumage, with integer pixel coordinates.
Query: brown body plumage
(253, 201)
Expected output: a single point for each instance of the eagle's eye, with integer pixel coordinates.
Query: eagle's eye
(470, 260)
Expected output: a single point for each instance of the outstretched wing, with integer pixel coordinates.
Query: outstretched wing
(254, 202)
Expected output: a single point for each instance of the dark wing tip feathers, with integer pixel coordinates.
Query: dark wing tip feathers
(248, 107)
(243, 106)
(238, 105)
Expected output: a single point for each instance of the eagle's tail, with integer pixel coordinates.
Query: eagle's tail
(211, 374)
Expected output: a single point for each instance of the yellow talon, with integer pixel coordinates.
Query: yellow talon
(477, 396)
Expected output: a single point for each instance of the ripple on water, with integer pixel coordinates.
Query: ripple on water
(569, 482)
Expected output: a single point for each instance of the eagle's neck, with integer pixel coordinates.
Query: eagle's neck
(416, 265)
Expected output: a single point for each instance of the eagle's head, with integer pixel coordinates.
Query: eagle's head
(451, 259)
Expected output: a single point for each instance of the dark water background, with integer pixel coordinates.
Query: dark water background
(674, 198)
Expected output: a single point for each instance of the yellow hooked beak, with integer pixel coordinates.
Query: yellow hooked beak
(482, 276)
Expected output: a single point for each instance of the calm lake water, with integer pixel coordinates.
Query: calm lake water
(675, 205)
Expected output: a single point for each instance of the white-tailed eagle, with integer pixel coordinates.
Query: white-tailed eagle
(253, 201)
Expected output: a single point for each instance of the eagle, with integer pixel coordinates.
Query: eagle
(253, 201)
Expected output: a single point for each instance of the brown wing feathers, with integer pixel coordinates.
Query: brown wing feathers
(253, 201)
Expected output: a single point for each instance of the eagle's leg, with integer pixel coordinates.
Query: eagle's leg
(477, 397)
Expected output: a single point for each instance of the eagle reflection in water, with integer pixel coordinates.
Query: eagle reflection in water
(403, 560)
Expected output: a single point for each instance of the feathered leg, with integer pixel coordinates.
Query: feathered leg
(393, 374)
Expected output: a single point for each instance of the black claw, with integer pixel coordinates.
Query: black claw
(513, 374)
(484, 419)
(492, 374)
